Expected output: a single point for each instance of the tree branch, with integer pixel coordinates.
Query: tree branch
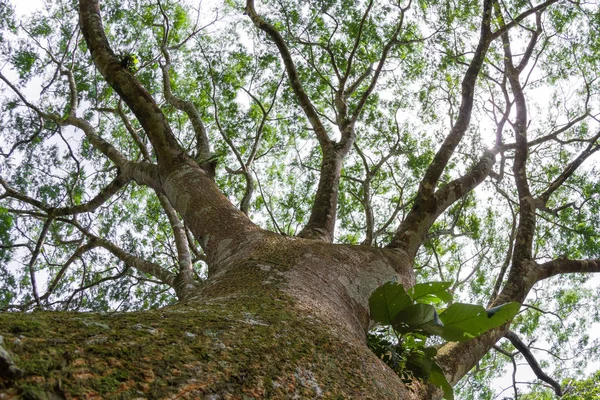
(131, 260)
(125, 84)
(294, 79)
(437, 166)
(567, 266)
(522, 347)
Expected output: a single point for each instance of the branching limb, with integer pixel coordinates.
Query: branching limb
(31, 266)
(185, 282)
(535, 366)
(181, 178)
(437, 166)
(569, 170)
(371, 172)
(142, 173)
(203, 153)
(81, 250)
(129, 259)
(245, 204)
(507, 258)
(133, 133)
(517, 20)
(413, 230)
(294, 79)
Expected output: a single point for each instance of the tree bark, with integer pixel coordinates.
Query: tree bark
(280, 317)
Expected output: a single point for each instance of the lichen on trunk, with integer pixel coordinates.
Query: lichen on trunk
(251, 335)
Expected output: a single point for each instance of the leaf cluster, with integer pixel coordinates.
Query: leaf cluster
(413, 316)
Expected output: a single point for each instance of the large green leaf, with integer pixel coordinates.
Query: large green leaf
(502, 314)
(418, 317)
(466, 321)
(437, 377)
(430, 292)
(420, 364)
(386, 301)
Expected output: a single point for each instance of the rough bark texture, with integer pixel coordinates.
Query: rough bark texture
(281, 318)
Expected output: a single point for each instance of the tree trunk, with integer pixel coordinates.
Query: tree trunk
(279, 317)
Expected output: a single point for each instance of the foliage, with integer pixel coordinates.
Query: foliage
(130, 61)
(574, 389)
(409, 318)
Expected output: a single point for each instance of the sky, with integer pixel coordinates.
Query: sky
(26, 6)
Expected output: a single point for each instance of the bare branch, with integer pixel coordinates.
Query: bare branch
(570, 170)
(437, 166)
(535, 366)
(77, 254)
(517, 20)
(131, 260)
(203, 153)
(184, 284)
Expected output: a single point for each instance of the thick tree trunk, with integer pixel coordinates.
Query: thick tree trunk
(279, 317)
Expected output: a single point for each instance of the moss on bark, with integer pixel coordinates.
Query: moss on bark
(247, 347)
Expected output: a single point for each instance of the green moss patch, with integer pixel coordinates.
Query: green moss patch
(248, 347)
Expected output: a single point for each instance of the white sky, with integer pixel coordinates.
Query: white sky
(23, 7)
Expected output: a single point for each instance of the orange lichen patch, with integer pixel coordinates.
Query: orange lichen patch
(191, 388)
(78, 362)
(83, 375)
(90, 395)
(149, 375)
(257, 393)
(114, 362)
(144, 387)
(36, 379)
(125, 386)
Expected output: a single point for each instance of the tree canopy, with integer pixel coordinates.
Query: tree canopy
(461, 134)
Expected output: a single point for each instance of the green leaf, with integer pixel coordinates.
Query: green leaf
(501, 314)
(386, 301)
(429, 291)
(418, 317)
(420, 364)
(466, 321)
(438, 378)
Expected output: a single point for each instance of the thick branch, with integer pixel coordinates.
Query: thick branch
(566, 266)
(191, 191)
(321, 224)
(413, 230)
(526, 228)
(437, 166)
(105, 194)
(125, 84)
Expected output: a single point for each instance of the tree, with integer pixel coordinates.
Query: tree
(585, 389)
(245, 182)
